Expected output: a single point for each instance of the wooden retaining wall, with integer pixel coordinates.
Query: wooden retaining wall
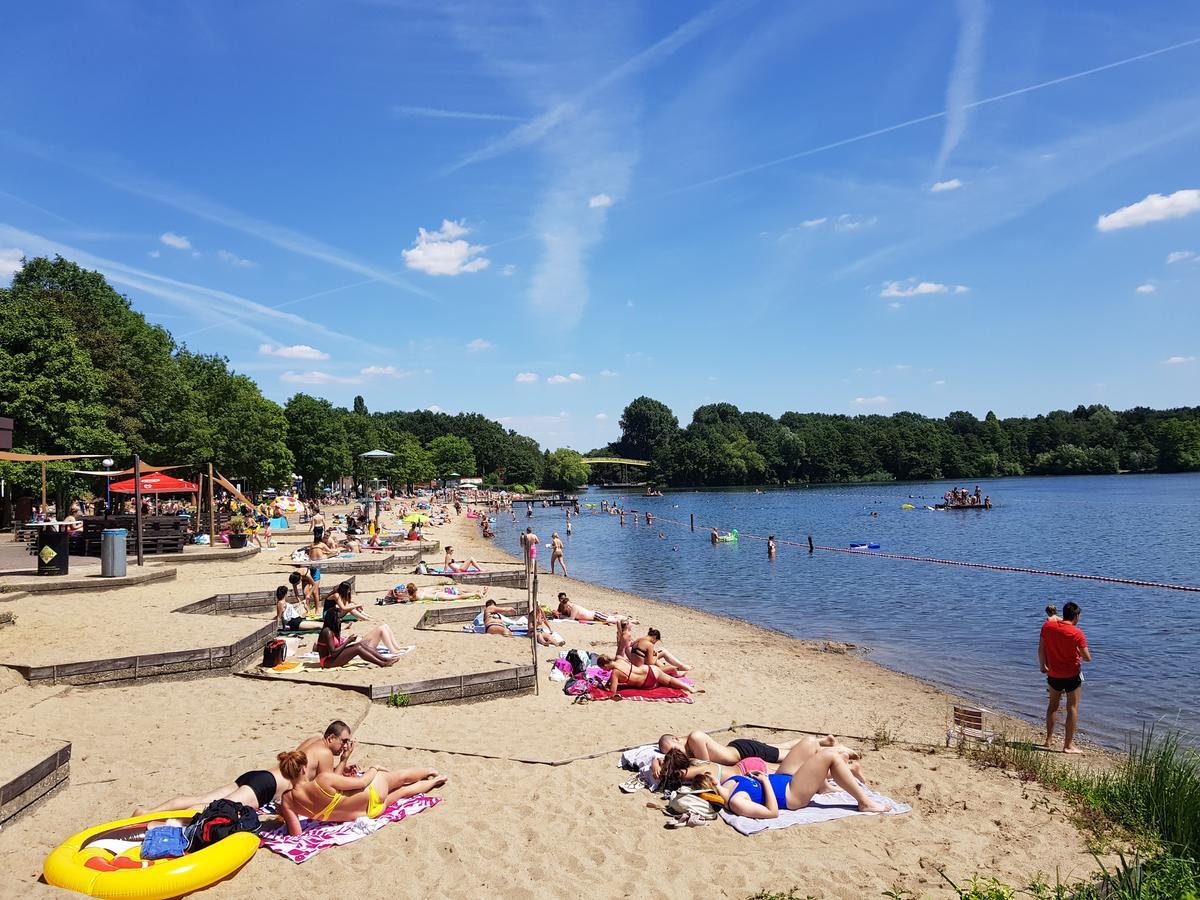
(514, 578)
(478, 685)
(453, 615)
(172, 665)
(236, 604)
(35, 785)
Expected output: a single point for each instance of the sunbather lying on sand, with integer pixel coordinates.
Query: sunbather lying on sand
(331, 797)
(254, 789)
(700, 746)
(336, 651)
(493, 618)
(800, 777)
(568, 609)
(547, 636)
(329, 752)
(624, 674)
(290, 616)
(677, 767)
(410, 593)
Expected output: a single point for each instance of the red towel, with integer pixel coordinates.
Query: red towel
(665, 694)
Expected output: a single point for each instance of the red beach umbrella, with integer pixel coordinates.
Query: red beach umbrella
(157, 483)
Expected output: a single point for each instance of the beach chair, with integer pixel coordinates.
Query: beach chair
(969, 723)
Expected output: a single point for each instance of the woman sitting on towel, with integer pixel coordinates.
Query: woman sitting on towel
(493, 618)
(341, 798)
(254, 789)
(800, 777)
(336, 651)
(624, 674)
(342, 598)
(646, 651)
(569, 609)
(450, 565)
(290, 616)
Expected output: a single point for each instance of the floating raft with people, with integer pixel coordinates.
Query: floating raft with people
(962, 506)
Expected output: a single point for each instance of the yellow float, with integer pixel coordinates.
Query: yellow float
(88, 862)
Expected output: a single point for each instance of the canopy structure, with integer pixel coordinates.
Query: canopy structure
(156, 484)
(376, 454)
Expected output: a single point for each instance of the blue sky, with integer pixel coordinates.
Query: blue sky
(539, 212)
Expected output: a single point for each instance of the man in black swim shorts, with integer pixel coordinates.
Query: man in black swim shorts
(699, 745)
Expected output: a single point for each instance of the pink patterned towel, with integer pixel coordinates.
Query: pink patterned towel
(318, 836)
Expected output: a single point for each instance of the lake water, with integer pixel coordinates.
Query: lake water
(973, 631)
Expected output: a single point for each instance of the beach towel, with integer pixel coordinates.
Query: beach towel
(663, 694)
(639, 758)
(822, 808)
(318, 836)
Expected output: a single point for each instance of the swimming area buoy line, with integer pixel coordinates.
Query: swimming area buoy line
(872, 550)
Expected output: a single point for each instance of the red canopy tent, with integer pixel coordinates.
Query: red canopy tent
(158, 483)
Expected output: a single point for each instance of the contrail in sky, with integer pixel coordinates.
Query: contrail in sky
(812, 151)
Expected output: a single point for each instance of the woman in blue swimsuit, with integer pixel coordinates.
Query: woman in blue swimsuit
(800, 777)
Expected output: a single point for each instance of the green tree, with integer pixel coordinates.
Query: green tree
(647, 425)
(317, 439)
(565, 469)
(452, 455)
(1179, 446)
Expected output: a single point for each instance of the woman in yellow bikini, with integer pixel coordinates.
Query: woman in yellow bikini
(341, 798)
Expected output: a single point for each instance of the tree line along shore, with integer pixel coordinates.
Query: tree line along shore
(81, 371)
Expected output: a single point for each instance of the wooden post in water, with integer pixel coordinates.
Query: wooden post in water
(810, 544)
(692, 517)
(137, 506)
(212, 511)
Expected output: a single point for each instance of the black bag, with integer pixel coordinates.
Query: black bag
(218, 820)
(274, 653)
(578, 660)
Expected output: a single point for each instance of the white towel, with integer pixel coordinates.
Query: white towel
(822, 808)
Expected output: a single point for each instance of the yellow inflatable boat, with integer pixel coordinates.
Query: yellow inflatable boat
(106, 861)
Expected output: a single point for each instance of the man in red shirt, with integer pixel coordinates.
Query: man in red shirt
(1061, 651)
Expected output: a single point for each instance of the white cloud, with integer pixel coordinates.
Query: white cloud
(575, 376)
(877, 400)
(383, 372)
(234, 260)
(155, 254)
(444, 252)
(431, 113)
(600, 417)
(600, 201)
(508, 270)
(1178, 360)
(526, 377)
(847, 222)
(813, 223)
(10, 261)
(1155, 208)
(1146, 288)
(952, 184)
(434, 408)
(910, 287)
(895, 304)
(608, 373)
(479, 344)
(1180, 256)
(315, 377)
(564, 379)
(940, 382)
(178, 241)
(296, 351)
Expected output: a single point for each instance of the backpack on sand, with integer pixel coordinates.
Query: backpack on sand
(218, 820)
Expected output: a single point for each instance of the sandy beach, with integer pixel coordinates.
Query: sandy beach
(511, 824)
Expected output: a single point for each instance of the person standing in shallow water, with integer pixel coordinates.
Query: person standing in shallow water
(1062, 649)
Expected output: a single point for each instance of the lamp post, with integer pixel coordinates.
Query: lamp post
(107, 462)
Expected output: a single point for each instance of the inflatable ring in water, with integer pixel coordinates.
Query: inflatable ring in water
(86, 862)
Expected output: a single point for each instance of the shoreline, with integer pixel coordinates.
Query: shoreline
(850, 649)
(568, 824)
